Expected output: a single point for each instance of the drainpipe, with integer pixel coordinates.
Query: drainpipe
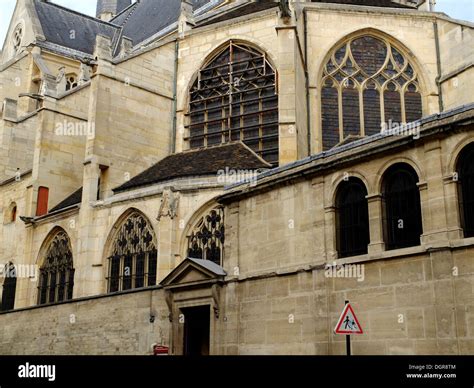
(438, 63)
(175, 97)
(308, 112)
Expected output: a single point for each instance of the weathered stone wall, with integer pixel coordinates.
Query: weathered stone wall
(118, 325)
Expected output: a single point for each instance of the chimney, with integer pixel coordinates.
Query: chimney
(107, 9)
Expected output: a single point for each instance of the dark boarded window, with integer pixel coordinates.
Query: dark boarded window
(235, 98)
(465, 176)
(133, 260)
(402, 209)
(56, 281)
(9, 288)
(352, 219)
(367, 82)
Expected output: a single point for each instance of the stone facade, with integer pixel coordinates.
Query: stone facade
(129, 110)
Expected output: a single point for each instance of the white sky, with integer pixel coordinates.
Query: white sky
(458, 9)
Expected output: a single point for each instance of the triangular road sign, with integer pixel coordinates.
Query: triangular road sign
(348, 322)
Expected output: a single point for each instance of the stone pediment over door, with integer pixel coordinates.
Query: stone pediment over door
(192, 273)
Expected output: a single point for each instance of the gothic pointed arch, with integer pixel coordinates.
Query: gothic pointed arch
(234, 97)
(56, 280)
(367, 81)
(133, 253)
(206, 236)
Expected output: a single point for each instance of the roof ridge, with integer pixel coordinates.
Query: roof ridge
(77, 13)
(133, 5)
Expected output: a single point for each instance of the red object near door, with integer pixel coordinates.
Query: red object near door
(159, 350)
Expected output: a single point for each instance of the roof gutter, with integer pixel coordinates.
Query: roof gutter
(175, 96)
(438, 64)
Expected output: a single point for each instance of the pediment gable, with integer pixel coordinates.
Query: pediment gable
(193, 272)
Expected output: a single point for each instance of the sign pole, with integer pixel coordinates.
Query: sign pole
(348, 339)
(348, 324)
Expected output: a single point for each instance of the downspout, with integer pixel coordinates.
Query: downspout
(175, 97)
(438, 63)
(308, 112)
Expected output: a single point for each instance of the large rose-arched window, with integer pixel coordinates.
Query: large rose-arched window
(367, 82)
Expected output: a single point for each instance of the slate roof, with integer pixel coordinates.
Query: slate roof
(210, 266)
(146, 18)
(74, 199)
(58, 22)
(371, 3)
(200, 162)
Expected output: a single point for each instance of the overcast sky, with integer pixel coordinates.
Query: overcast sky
(459, 9)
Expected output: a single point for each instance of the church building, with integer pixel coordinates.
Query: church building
(219, 177)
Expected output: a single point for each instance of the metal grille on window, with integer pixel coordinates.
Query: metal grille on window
(466, 190)
(9, 288)
(365, 83)
(352, 219)
(56, 280)
(207, 238)
(402, 209)
(133, 262)
(235, 98)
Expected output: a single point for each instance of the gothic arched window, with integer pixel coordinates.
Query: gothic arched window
(352, 218)
(71, 81)
(465, 176)
(134, 257)
(365, 83)
(402, 208)
(235, 98)
(56, 281)
(206, 240)
(9, 288)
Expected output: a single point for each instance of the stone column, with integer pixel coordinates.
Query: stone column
(377, 244)
(288, 132)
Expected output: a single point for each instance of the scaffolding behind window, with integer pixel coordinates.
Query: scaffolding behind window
(235, 98)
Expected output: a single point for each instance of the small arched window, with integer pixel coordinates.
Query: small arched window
(13, 214)
(402, 209)
(134, 258)
(10, 214)
(465, 176)
(56, 282)
(352, 218)
(17, 37)
(9, 288)
(367, 82)
(71, 81)
(206, 240)
(235, 98)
